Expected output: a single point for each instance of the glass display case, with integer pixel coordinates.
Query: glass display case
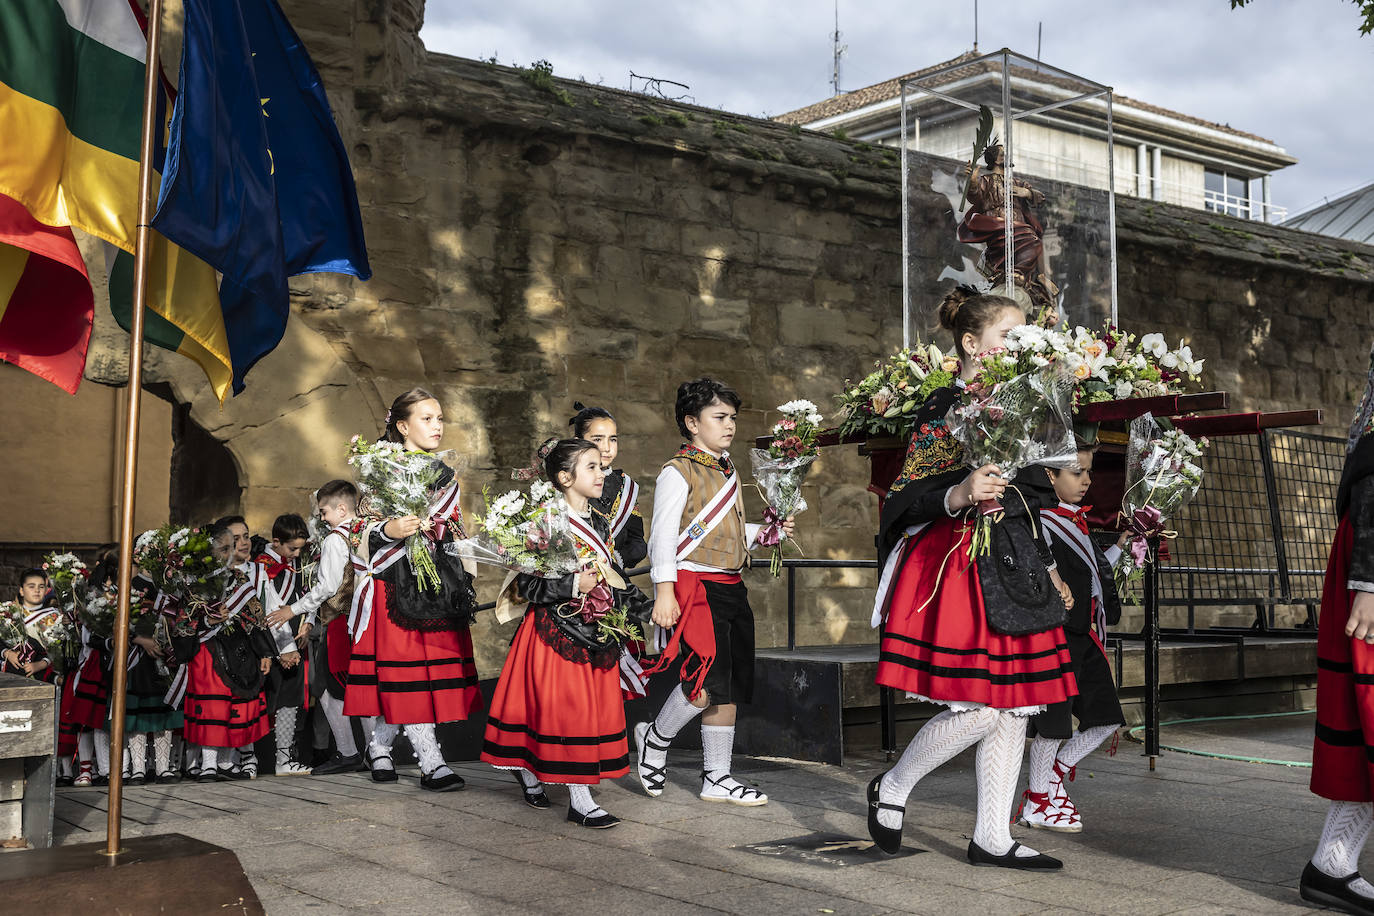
(979, 127)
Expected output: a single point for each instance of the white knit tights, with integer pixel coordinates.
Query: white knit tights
(162, 751)
(580, 799)
(1042, 754)
(942, 738)
(1338, 853)
(339, 724)
(998, 771)
(136, 760)
(1084, 743)
(426, 745)
(102, 751)
(286, 732)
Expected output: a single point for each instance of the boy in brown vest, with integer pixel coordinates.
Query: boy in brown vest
(326, 605)
(698, 544)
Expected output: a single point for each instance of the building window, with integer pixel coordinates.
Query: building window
(1226, 193)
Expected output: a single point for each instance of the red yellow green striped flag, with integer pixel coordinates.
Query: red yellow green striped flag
(71, 98)
(46, 303)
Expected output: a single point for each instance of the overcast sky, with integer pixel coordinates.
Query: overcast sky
(1297, 73)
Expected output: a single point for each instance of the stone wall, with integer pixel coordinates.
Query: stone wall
(537, 241)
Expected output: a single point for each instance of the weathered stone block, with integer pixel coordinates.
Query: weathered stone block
(709, 316)
(719, 243)
(808, 326)
(653, 233)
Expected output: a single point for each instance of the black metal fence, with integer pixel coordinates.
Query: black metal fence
(1257, 533)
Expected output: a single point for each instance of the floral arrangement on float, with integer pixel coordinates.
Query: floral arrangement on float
(1105, 365)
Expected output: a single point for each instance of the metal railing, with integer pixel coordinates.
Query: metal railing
(1258, 532)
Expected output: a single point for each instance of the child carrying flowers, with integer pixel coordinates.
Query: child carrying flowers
(558, 714)
(412, 658)
(938, 640)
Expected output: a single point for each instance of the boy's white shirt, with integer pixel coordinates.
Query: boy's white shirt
(267, 594)
(335, 557)
(670, 499)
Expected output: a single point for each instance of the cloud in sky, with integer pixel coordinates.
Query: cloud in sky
(1297, 73)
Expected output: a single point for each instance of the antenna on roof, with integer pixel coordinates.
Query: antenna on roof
(839, 50)
(975, 26)
(1039, 33)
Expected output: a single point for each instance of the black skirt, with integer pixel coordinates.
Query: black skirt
(1096, 704)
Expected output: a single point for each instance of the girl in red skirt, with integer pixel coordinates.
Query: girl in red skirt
(1343, 751)
(558, 714)
(412, 658)
(937, 644)
(84, 709)
(226, 656)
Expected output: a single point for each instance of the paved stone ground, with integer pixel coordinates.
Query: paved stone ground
(1196, 836)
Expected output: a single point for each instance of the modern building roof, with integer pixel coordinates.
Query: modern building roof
(891, 89)
(1350, 216)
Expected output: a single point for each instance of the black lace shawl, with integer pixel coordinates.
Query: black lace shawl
(562, 629)
(929, 470)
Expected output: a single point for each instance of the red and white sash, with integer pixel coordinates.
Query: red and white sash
(583, 531)
(445, 507)
(1061, 527)
(34, 618)
(625, 506)
(236, 601)
(632, 676)
(711, 515)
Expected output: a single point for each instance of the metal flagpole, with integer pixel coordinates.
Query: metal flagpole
(142, 239)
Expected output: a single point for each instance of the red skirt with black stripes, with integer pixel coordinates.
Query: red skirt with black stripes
(1343, 748)
(213, 716)
(410, 676)
(85, 703)
(937, 643)
(562, 720)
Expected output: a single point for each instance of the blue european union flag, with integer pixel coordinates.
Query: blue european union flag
(257, 181)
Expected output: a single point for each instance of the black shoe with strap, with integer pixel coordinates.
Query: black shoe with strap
(595, 821)
(1038, 862)
(888, 839)
(1316, 886)
(382, 774)
(534, 796)
(337, 764)
(449, 782)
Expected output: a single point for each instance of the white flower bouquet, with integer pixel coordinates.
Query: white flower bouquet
(1163, 474)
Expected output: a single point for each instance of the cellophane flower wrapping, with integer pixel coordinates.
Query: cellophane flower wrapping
(12, 632)
(526, 532)
(781, 469)
(98, 612)
(68, 575)
(1012, 423)
(394, 483)
(309, 558)
(1163, 474)
(182, 565)
(58, 637)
